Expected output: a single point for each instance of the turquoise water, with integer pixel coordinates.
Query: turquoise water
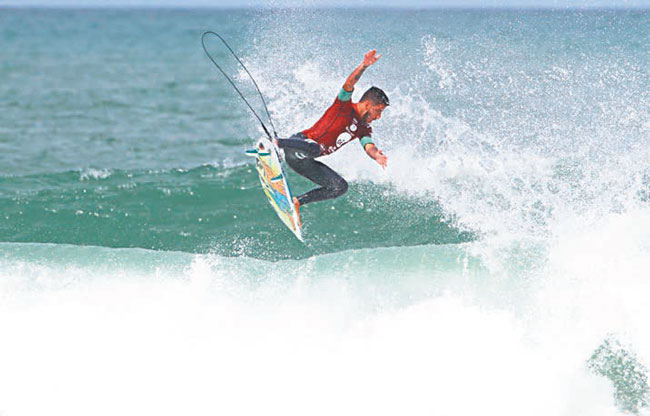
(135, 143)
(497, 266)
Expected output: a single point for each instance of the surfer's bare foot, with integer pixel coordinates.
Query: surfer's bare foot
(296, 206)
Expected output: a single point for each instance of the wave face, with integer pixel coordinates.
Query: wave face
(498, 266)
(208, 209)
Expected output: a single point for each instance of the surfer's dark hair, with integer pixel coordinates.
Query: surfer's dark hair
(376, 96)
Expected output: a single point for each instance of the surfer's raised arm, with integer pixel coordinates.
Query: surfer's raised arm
(368, 59)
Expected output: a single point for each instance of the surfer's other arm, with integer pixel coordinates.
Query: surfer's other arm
(368, 59)
(376, 154)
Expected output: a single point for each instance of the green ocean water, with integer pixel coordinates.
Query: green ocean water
(116, 132)
(205, 209)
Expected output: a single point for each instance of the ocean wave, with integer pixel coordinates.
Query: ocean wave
(209, 208)
(390, 325)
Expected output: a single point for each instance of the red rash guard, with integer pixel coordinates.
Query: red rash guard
(339, 126)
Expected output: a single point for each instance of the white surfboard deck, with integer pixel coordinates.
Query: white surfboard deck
(274, 184)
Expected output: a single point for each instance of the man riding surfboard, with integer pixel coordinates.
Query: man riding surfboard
(343, 122)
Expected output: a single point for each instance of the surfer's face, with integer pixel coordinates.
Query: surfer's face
(374, 112)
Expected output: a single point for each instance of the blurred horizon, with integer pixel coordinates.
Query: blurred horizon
(331, 4)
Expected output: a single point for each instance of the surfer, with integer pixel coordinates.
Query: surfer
(343, 122)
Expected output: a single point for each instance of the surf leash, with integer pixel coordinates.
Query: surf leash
(235, 86)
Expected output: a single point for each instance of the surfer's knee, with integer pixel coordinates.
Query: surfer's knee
(339, 187)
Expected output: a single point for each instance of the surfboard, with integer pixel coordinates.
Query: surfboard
(275, 185)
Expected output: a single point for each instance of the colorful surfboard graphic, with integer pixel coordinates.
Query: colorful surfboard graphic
(274, 184)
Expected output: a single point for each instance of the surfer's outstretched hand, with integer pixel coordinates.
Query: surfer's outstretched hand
(376, 154)
(370, 57)
(381, 158)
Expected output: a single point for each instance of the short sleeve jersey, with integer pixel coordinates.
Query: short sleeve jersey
(339, 126)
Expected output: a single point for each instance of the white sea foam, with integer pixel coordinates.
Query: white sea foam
(89, 173)
(237, 336)
(500, 161)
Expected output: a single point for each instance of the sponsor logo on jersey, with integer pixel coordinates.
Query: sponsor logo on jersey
(343, 139)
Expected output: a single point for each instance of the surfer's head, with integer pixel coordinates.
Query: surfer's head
(372, 103)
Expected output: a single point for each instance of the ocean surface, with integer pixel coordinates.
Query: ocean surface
(500, 265)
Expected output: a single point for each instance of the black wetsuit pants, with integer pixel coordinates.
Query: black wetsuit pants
(299, 153)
